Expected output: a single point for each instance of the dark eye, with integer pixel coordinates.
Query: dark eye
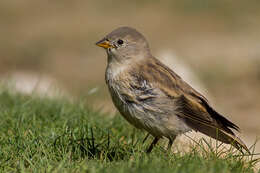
(120, 41)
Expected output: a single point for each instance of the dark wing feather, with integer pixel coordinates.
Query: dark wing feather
(220, 119)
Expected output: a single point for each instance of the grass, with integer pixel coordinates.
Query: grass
(54, 135)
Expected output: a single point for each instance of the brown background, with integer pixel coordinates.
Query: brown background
(219, 40)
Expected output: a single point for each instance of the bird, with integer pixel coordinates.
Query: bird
(152, 97)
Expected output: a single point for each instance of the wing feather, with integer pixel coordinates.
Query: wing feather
(190, 105)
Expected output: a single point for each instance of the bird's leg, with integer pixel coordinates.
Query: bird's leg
(169, 145)
(156, 139)
(146, 137)
(171, 140)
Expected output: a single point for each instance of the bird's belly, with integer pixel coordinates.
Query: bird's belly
(156, 123)
(128, 112)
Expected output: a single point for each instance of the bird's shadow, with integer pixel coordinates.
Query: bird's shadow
(91, 147)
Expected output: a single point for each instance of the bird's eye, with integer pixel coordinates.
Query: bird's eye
(120, 42)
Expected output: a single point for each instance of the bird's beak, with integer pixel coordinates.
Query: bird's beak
(104, 43)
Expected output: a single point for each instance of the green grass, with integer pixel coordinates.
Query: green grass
(54, 135)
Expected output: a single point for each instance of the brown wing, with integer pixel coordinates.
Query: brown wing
(191, 105)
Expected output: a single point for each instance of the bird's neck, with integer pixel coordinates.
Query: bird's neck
(116, 67)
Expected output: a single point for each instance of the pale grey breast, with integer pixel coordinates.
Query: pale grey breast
(144, 106)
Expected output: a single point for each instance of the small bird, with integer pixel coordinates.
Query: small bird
(152, 97)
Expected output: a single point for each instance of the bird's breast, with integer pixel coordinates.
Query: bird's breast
(114, 70)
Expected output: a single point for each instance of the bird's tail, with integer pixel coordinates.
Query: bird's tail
(224, 133)
(233, 140)
(220, 128)
(219, 134)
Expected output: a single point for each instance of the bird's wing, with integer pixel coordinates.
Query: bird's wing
(190, 105)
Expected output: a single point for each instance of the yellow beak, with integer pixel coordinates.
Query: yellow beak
(104, 43)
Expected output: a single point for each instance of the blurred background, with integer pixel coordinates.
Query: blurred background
(215, 45)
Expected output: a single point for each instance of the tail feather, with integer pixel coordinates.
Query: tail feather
(236, 142)
(218, 134)
(201, 117)
(227, 133)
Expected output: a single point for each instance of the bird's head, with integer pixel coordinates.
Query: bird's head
(124, 43)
